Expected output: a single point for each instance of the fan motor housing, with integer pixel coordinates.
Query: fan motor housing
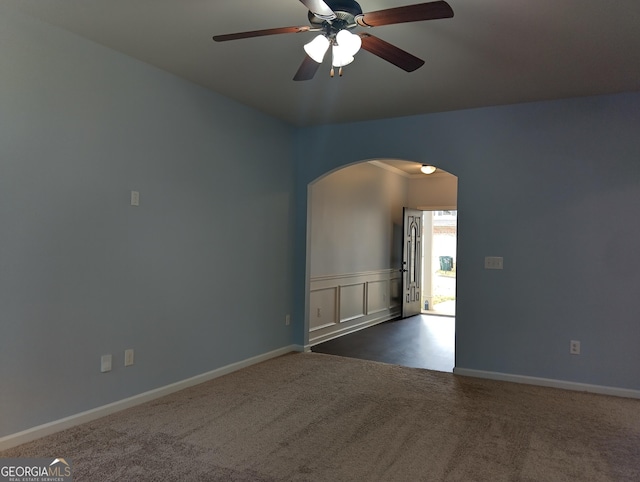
(346, 12)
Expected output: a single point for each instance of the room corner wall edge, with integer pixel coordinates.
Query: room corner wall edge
(13, 440)
(549, 382)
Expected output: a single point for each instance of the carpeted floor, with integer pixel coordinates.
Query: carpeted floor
(315, 417)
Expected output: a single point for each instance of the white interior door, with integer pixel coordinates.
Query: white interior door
(411, 262)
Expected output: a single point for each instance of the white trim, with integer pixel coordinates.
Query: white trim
(353, 328)
(419, 175)
(321, 327)
(549, 382)
(331, 277)
(34, 433)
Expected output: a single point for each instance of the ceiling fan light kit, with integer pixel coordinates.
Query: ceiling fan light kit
(334, 19)
(317, 48)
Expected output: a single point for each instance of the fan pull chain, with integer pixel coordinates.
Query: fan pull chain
(332, 72)
(340, 72)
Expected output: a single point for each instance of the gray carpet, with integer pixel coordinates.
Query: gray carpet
(315, 417)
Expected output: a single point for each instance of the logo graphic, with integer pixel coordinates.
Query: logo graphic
(35, 470)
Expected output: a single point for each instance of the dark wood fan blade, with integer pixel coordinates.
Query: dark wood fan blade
(409, 13)
(390, 53)
(307, 69)
(319, 9)
(260, 33)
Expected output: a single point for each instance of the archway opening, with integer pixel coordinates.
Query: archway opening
(354, 240)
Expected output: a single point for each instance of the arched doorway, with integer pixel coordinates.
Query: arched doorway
(354, 245)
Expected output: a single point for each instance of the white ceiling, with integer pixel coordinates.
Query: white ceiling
(492, 52)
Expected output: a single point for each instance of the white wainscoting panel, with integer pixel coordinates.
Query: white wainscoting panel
(378, 296)
(396, 290)
(344, 303)
(352, 302)
(324, 308)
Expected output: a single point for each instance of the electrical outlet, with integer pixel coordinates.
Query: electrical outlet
(105, 363)
(287, 320)
(128, 357)
(574, 347)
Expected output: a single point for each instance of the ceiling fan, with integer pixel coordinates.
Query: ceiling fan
(333, 20)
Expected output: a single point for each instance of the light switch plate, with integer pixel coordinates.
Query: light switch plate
(128, 357)
(105, 363)
(493, 262)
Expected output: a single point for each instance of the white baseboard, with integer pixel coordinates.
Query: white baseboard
(353, 328)
(34, 433)
(549, 382)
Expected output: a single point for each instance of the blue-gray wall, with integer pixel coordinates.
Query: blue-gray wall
(554, 188)
(200, 275)
(197, 277)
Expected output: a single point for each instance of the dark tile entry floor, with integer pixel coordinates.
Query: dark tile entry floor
(422, 341)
